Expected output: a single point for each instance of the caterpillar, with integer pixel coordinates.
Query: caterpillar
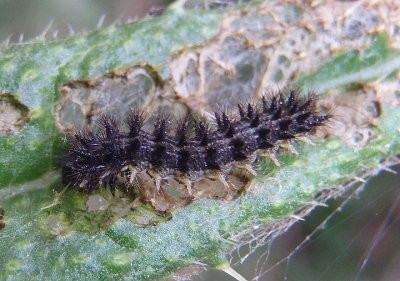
(190, 148)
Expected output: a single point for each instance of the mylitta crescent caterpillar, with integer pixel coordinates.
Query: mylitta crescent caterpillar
(196, 150)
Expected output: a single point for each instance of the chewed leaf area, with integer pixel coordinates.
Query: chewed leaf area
(71, 211)
(115, 92)
(13, 114)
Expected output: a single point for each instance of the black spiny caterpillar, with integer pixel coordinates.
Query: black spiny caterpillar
(195, 151)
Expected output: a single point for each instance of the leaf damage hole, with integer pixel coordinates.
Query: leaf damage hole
(13, 114)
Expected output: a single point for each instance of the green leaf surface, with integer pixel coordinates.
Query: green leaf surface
(355, 66)
(65, 242)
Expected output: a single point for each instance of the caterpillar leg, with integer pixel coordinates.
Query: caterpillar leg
(157, 180)
(272, 157)
(250, 169)
(222, 178)
(188, 183)
(289, 146)
(133, 174)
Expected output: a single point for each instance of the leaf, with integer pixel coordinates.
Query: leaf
(375, 62)
(54, 237)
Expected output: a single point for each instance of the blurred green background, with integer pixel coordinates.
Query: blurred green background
(360, 242)
(31, 17)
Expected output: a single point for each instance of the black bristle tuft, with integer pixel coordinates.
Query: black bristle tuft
(161, 127)
(242, 112)
(255, 122)
(250, 111)
(265, 105)
(108, 127)
(277, 114)
(80, 138)
(183, 130)
(225, 125)
(202, 132)
(302, 117)
(272, 105)
(81, 153)
(135, 122)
